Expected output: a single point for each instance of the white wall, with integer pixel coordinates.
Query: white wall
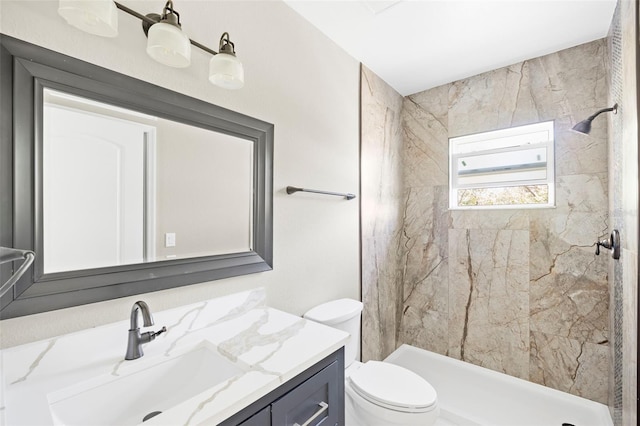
(295, 78)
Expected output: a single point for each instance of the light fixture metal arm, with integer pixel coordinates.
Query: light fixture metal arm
(205, 48)
(134, 13)
(148, 21)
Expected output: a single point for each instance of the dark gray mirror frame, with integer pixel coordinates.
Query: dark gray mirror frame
(25, 69)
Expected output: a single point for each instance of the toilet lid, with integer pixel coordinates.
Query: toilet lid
(392, 386)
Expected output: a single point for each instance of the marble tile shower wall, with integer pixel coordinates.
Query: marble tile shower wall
(381, 197)
(517, 291)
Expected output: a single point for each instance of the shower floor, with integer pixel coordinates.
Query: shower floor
(469, 395)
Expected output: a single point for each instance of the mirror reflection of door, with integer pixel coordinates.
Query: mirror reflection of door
(122, 187)
(94, 189)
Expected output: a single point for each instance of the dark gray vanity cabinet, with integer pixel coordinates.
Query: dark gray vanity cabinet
(261, 418)
(314, 397)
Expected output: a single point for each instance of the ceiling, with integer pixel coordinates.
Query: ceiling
(420, 44)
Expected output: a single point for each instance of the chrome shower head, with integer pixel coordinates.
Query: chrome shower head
(585, 125)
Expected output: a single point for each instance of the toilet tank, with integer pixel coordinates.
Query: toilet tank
(343, 314)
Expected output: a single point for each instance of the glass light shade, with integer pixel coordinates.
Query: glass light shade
(168, 45)
(226, 71)
(99, 17)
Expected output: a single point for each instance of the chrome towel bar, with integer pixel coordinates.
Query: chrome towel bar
(9, 255)
(293, 189)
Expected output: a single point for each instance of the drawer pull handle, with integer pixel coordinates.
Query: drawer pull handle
(323, 407)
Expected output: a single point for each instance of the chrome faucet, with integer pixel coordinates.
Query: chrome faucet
(136, 339)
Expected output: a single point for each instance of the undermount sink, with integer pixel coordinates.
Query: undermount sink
(156, 387)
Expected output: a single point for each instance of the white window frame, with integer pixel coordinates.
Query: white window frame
(504, 141)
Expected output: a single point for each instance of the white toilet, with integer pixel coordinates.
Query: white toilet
(376, 393)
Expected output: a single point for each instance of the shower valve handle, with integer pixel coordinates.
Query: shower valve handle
(603, 243)
(612, 243)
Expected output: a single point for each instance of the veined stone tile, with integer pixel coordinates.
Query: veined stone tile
(490, 219)
(426, 143)
(426, 329)
(550, 254)
(564, 305)
(380, 90)
(382, 189)
(434, 101)
(381, 198)
(576, 153)
(568, 294)
(582, 193)
(425, 269)
(424, 208)
(554, 360)
(525, 110)
(381, 158)
(592, 375)
(573, 228)
(430, 293)
(570, 366)
(424, 239)
(484, 102)
(547, 88)
(371, 330)
(488, 299)
(544, 244)
(381, 297)
(569, 79)
(382, 217)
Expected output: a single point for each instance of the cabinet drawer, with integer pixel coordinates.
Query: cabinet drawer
(261, 418)
(314, 402)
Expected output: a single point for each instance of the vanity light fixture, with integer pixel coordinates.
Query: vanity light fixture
(585, 125)
(97, 17)
(167, 43)
(225, 70)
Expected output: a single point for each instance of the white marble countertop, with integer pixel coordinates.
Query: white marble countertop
(271, 346)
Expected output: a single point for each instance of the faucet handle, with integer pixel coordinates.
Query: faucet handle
(148, 336)
(159, 332)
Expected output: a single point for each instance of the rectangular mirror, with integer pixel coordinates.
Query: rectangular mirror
(115, 191)
(122, 187)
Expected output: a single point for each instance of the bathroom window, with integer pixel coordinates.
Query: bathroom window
(509, 168)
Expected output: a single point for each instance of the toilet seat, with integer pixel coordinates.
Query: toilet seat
(393, 387)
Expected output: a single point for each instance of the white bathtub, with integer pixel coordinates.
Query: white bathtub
(472, 395)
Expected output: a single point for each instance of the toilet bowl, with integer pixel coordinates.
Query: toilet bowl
(376, 393)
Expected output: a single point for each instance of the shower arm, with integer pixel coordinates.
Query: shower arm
(613, 109)
(10, 255)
